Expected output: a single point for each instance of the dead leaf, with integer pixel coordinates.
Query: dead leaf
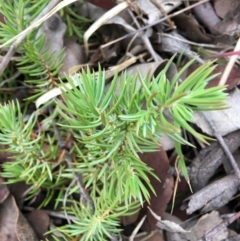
(101, 21)
(153, 13)
(147, 7)
(213, 196)
(153, 236)
(209, 159)
(40, 223)
(230, 23)
(89, 10)
(106, 4)
(13, 225)
(222, 7)
(191, 29)
(225, 121)
(159, 162)
(233, 79)
(17, 190)
(75, 55)
(127, 220)
(172, 43)
(206, 14)
(4, 192)
(110, 32)
(53, 29)
(194, 229)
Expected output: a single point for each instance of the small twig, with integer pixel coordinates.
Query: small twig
(52, 213)
(114, 237)
(208, 236)
(12, 59)
(7, 58)
(37, 22)
(191, 42)
(145, 39)
(176, 182)
(135, 231)
(10, 79)
(68, 159)
(223, 145)
(154, 23)
(151, 234)
(65, 199)
(230, 65)
(169, 21)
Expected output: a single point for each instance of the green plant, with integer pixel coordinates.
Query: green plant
(90, 137)
(108, 133)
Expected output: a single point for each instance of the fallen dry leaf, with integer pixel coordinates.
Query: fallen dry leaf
(191, 29)
(145, 6)
(230, 23)
(17, 190)
(222, 7)
(13, 225)
(159, 162)
(75, 55)
(193, 230)
(89, 10)
(101, 21)
(153, 236)
(53, 29)
(213, 196)
(225, 121)
(152, 10)
(4, 192)
(206, 14)
(106, 4)
(233, 79)
(40, 223)
(209, 159)
(172, 43)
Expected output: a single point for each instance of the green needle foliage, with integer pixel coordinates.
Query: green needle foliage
(109, 132)
(39, 67)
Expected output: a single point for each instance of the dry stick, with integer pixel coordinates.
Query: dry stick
(152, 24)
(68, 159)
(52, 213)
(212, 125)
(13, 77)
(230, 65)
(114, 237)
(208, 236)
(145, 39)
(135, 231)
(193, 43)
(224, 146)
(169, 21)
(65, 199)
(6, 59)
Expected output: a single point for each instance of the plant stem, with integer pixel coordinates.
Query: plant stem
(68, 159)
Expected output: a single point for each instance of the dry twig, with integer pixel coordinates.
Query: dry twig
(14, 46)
(230, 65)
(84, 194)
(224, 146)
(152, 24)
(47, 12)
(209, 235)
